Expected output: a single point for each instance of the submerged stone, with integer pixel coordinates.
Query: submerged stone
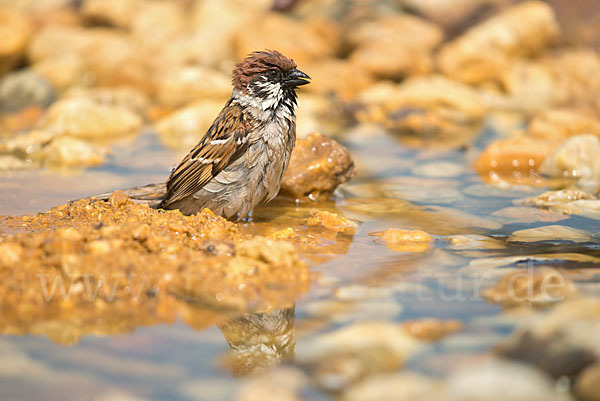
(362, 293)
(550, 233)
(516, 214)
(439, 169)
(536, 287)
(567, 201)
(474, 242)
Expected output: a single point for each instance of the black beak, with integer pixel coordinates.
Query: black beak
(295, 78)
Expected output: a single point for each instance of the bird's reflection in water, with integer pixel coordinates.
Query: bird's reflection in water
(259, 340)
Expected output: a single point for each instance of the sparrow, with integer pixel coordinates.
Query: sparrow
(240, 161)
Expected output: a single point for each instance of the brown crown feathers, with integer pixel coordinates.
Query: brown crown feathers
(258, 63)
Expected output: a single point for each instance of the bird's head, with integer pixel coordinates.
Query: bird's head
(268, 75)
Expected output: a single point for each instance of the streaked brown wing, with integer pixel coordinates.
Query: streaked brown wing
(225, 141)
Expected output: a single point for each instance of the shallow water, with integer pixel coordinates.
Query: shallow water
(359, 278)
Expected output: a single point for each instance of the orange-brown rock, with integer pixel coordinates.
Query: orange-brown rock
(317, 166)
(286, 233)
(516, 158)
(397, 235)
(117, 199)
(331, 221)
(405, 240)
(98, 267)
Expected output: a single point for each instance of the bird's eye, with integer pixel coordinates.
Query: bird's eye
(273, 74)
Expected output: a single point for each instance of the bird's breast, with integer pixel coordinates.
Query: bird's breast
(268, 157)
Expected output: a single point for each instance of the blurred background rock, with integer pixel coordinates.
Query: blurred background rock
(429, 71)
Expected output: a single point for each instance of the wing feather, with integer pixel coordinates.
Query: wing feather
(225, 141)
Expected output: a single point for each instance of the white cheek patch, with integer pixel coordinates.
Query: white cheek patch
(272, 90)
(263, 109)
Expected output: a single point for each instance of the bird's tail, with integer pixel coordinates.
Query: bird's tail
(151, 194)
